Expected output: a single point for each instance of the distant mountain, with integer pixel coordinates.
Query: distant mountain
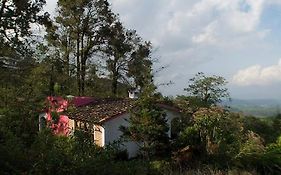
(261, 102)
(255, 107)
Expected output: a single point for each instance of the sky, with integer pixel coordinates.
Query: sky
(237, 39)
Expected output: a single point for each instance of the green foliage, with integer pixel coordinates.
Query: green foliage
(268, 128)
(210, 89)
(179, 124)
(88, 41)
(190, 136)
(13, 156)
(279, 141)
(21, 124)
(55, 116)
(16, 59)
(128, 56)
(215, 133)
(259, 111)
(51, 154)
(161, 167)
(265, 159)
(140, 64)
(147, 126)
(70, 63)
(190, 104)
(251, 149)
(16, 18)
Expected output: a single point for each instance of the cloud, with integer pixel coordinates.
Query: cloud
(195, 21)
(207, 36)
(245, 15)
(274, 2)
(203, 35)
(258, 75)
(192, 34)
(227, 21)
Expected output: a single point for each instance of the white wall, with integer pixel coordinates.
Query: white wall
(170, 115)
(112, 133)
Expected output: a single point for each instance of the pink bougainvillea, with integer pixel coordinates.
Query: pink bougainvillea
(55, 105)
(62, 127)
(59, 125)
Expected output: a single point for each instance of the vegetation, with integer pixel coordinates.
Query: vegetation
(87, 48)
(260, 111)
(210, 89)
(148, 126)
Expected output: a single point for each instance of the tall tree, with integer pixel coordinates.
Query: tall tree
(210, 89)
(76, 33)
(140, 65)
(148, 125)
(16, 59)
(16, 18)
(117, 50)
(214, 134)
(128, 56)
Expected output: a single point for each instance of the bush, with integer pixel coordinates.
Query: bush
(215, 134)
(266, 160)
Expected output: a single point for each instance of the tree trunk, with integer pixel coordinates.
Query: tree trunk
(67, 58)
(51, 82)
(83, 74)
(83, 66)
(115, 75)
(114, 83)
(78, 73)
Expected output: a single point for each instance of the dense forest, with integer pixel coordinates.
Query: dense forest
(85, 50)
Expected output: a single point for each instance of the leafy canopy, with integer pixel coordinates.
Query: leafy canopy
(148, 125)
(210, 89)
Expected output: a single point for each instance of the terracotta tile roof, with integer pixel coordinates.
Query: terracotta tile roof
(82, 101)
(101, 110)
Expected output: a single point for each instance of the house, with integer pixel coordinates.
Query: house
(103, 118)
(59, 105)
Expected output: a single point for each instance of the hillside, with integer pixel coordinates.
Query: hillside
(255, 107)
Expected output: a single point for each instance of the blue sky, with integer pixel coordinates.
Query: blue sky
(237, 39)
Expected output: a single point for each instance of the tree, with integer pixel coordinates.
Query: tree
(77, 34)
(16, 53)
(140, 64)
(210, 89)
(148, 125)
(215, 133)
(148, 128)
(268, 128)
(127, 56)
(16, 18)
(117, 50)
(86, 33)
